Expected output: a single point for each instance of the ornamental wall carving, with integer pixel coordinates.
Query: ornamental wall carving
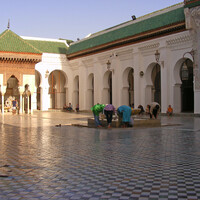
(183, 39)
(149, 47)
(17, 65)
(17, 69)
(195, 13)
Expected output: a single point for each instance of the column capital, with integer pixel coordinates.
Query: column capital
(3, 89)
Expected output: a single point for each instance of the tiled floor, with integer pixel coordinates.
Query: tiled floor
(41, 161)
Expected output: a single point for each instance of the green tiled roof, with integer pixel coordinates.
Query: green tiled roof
(49, 46)
(11, 42)
(152, 23)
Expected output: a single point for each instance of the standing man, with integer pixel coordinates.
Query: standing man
(97, 109)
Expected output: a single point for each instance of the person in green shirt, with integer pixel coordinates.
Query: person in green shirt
(97, 109)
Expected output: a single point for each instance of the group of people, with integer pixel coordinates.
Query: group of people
(11, 105)
(70, 107)
(123, 112)
(153, 110)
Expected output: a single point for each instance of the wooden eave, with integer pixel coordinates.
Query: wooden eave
(166, 30)
(20, 57)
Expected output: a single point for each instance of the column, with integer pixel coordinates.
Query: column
(21, 103)
(21, 88)
(33, 97)
(28, 104)
(3, 103)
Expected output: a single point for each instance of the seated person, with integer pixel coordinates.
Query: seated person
(77, 108)
(69, 108)
(169, 111)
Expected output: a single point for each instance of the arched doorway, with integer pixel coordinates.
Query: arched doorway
(57, 90)
(110, 87)
(12, 91)
(90, 91)
(76, 92)
(107, 89)
(131, 87)
(38, 89)
(128, 87)
(187, 92)
(156, 80)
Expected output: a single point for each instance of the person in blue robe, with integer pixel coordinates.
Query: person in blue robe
(124, 112)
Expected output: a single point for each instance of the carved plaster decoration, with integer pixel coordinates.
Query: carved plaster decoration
(179, 40)
(149, 47)
(195, 13)
(192, 18)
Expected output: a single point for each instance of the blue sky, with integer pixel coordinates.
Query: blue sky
(72, 19)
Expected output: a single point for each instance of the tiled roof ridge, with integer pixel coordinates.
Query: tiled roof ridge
(44, 39)
(158, 12)
(18, 37)
(5, 32)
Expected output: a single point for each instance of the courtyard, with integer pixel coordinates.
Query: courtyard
(41, 160)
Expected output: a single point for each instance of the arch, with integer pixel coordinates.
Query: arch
(156, 80)
(183, 89)
(128, 87)
(12, 91)
(76, 91)
(107, 88)
(153, 83)
(90, 91)
(16, 74)
(57, 89)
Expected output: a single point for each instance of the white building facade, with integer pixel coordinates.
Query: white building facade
(123, 69)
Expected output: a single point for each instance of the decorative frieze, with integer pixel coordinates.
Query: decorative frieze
(180, 40)
(19, 57)
(149, 47)
(19, 60)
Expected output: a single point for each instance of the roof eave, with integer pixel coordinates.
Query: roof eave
(176, 27)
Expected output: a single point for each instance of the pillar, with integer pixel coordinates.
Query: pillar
(2, 103)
